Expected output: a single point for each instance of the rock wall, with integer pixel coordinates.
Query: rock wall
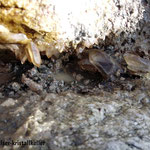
(54, 25)
(109, 116)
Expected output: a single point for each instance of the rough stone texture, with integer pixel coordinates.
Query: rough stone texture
(53, 24)
(116, 119)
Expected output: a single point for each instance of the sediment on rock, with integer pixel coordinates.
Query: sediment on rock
(55, 26)
(67, 108)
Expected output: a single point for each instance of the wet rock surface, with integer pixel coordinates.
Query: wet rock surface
(69, 111)
(72, 109)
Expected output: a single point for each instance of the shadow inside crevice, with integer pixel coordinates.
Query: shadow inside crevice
(10, 123)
